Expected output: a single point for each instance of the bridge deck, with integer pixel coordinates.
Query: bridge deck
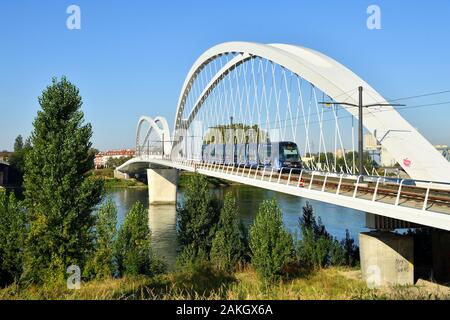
(416, 204)
(413, 197)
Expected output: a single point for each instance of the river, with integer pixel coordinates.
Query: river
(163, 218)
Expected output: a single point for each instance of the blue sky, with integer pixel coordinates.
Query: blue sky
(130, 57)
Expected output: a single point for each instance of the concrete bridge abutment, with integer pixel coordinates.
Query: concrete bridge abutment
(387, 258)
(162, 185)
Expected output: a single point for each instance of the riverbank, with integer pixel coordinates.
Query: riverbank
(107, 175)
(213, 182)
(326, 284)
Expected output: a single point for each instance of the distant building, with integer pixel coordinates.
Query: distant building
(339, 153)
(4, 168)
(375, 148)
(370, 143)
(385, 158)
(102, 158)
(5, 156)
(308, 160)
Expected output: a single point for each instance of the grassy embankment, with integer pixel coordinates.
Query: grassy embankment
(107, 175)
(213, 182)
(110, 182)
(332, 283)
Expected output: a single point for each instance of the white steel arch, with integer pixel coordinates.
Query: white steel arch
(409, 148)
(158, 125)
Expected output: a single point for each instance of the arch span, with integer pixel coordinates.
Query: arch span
(409, 148)
(158, 125)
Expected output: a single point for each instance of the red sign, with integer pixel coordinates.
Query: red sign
(407, 162)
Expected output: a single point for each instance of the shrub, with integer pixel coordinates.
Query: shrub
(12, 238)
(318, 249)
(270, 243)
(101, 264)
(133, 250)
(197, 219)
(229, 243)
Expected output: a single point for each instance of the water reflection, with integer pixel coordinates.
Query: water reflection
(163, 225)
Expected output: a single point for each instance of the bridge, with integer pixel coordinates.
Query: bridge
(241, 102)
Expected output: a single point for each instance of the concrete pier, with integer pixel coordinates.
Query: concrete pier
(387, 259)
(121, 175)
(162, 186)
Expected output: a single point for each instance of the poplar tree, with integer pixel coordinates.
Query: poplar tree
(101, 265)
(197, 219)
(229, 245)
(270, 243)
(133, 248)
(59, 196)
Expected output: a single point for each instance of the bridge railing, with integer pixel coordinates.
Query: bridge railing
(321, 181)
(148, 151)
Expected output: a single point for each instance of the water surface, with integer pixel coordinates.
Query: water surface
(163, 218)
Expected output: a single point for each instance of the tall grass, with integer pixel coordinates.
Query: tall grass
(208, 283)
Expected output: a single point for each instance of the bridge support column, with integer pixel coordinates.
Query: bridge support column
(162, 186)
(121, 175)
(386, 258)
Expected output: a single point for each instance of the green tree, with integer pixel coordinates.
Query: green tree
(317, 248)
(18, 143)
(351, 250)
(198, 218)
(270, 243)
(133, 250)
(58, 195)
(92, 153)
(12, 237)
(116, 162)
(101, 265)
(229, 243)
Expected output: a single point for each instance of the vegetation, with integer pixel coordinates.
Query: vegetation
(229, 246)
(122, 183)
(59, 224)
(325, 284)
(101, 264)
(116, 162)
(107, 176)
(185, 178)
(58, 196)
(102, 173)
(12, 237)
(133, 251)
(318, 249)
(329, 158)
(271, 245)
(197, 221)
